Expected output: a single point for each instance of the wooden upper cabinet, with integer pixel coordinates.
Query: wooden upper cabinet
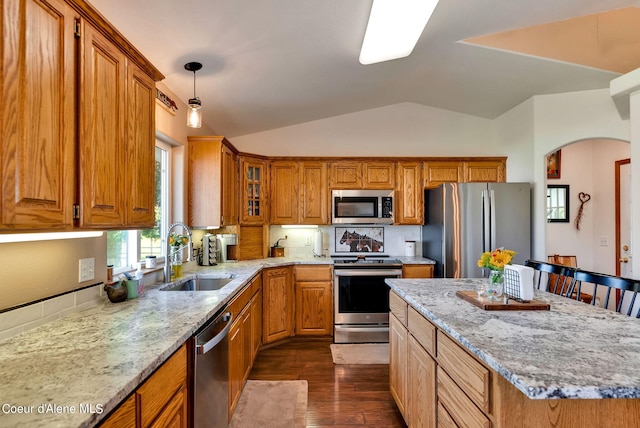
(484, 171)
(379, 175)
(37, 159)
(77, 125)
(409, 193)
(212, 182)
(438, 172)
(359, 174)
(141, 130)
(284, 192)
(230, 189)
(102, 150)
(314, 194)
(253, 178)
(345, 175)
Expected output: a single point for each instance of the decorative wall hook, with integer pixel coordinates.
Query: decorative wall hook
(584, 198)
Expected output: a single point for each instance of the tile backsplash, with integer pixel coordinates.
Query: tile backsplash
(300, 241)
(27, 317)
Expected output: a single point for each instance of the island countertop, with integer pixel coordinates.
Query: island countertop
(574, 350)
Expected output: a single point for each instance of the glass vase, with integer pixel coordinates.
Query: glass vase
(495, 285)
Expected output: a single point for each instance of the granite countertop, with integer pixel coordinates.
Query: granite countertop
(573, 350)
(97, 357)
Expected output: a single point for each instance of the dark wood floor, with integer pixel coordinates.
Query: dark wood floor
(339, 395)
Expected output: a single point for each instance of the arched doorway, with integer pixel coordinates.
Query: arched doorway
(587, 167)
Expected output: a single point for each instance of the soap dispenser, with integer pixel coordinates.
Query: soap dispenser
(139, 276)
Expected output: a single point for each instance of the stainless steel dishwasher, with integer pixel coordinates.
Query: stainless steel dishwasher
(211, 374)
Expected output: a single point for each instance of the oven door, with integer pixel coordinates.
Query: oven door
(361, 295)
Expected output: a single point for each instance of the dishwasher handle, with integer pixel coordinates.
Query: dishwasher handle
(202, 349)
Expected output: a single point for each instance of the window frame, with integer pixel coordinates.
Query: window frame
(134, 236)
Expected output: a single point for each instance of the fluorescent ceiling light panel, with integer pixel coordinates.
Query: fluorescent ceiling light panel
(394, 29)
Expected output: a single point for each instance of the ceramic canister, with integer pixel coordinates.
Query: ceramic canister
(410, 248)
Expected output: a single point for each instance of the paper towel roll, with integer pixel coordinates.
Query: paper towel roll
(317, 245)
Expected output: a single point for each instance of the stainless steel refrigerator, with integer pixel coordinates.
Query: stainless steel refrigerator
(463, 220)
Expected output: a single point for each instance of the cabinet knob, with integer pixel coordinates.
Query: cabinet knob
(624, 260)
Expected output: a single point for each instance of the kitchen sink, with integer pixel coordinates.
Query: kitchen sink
(199, 284)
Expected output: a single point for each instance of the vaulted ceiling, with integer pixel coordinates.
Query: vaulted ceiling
(270, 64)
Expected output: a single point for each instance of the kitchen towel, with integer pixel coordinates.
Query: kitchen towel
(317, 247)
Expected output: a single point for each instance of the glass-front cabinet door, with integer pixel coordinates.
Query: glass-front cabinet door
(254, 187)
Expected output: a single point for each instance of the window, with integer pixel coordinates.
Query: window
(125, 248)
(558, 203)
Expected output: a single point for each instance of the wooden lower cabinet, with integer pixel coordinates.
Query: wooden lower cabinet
(278, 304)
(174, 415)
(421, 389)
(161, 401)
(314, 300)
(124, 416)
(398, 348)
(417, 271)
(236, 372)
(245, 335)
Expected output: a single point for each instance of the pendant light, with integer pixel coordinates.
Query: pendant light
(194, 114)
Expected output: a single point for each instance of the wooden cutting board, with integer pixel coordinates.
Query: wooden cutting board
(499, 305)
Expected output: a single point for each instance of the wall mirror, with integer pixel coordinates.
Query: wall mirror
(558, 203)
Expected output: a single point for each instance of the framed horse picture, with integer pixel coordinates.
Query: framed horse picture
(359, 239)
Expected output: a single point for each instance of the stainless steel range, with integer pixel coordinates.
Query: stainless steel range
(362, 297)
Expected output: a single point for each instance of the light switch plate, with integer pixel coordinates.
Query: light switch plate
(86, 269)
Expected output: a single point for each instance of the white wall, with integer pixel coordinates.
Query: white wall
(561, 119)
(405, 129)
(514, 134)
(589, 166)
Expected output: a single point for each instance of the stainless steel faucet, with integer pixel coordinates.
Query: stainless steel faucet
(167, 260)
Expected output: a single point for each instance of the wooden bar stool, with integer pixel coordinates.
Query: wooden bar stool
(573, 262)
(559, 277)
(625, 285)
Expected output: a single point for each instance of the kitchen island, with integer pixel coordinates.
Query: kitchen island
(573, 365)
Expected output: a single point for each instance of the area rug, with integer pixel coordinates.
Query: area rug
(360, 353)
(272, 404)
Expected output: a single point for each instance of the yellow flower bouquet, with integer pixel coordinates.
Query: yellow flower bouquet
(496, 261)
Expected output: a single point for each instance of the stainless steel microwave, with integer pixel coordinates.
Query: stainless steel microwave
(362, 207)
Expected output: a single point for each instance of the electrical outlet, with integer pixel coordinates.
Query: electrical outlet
(307, 240)
(86, 269)
(604, 241)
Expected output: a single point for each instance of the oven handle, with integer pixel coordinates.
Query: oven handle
(368, 272)
(373, 328)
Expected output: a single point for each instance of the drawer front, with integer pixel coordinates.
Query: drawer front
(313, 273)
(444, 418)
(240, 301)
(465, 370)
(423, 331)
(158, 390)
(417, 271)
(457, 404)
(398, 307)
